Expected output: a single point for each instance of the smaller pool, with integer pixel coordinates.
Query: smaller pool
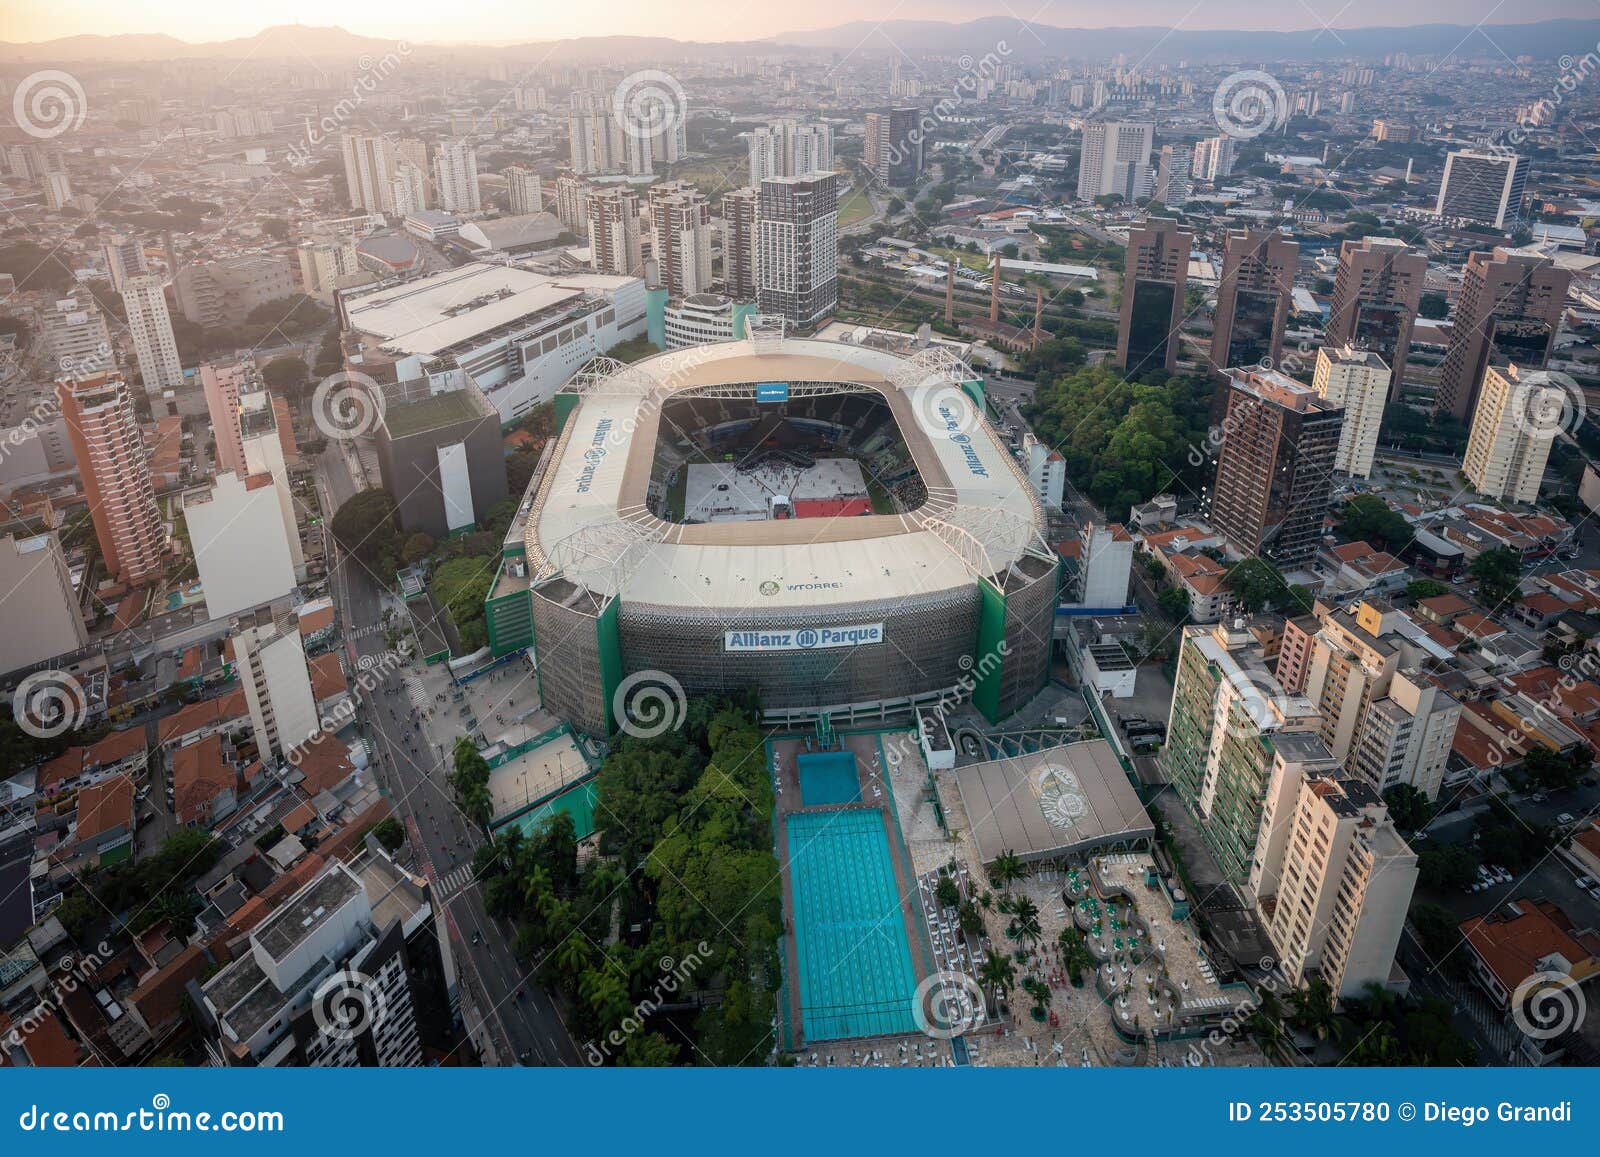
(828, 777)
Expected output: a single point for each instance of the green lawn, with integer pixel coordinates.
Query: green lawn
(971, 260)
(854, 207)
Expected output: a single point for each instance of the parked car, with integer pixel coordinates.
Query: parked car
(1566, 818)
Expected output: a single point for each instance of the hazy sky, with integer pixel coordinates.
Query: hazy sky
(508, 21)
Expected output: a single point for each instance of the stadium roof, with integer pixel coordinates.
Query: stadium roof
(980, 504)
(1050, 803)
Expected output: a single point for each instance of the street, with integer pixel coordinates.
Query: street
(444, 839)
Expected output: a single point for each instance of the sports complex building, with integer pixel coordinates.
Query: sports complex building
(835, 527)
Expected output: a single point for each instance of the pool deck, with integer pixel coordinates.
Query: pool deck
(875, 796)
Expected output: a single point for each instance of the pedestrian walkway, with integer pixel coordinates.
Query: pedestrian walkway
(454, 881)
(416, 693)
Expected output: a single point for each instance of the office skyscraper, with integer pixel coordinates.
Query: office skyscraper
(1253, 299)
(1375, 297)
(1274, 467)
(892, 151)
(1155, 276)
(1508, 311)
(797, 226)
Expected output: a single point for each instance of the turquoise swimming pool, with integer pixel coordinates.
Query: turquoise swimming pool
(855, 972)
(828, 777)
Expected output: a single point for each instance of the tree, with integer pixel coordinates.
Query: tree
(285, 374)
(417, 547)
(1370, 518)
(1499, 572)
(1426, 588)
(459, 588)
(1438, 930)
(1409, 808)
(390, 834)
(1433, 306)
(1258, 584)
(276, 228)
(1006, 869)
(289, 316)
(365, 527)
(997, 973)
(946, 892)
(1174, 603)
(1551, 770)
(1445, 867)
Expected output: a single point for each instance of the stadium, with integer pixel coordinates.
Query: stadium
(832, 525)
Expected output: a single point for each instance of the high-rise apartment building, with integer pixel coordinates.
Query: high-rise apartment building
(57, 190)
(1229, 717)
(115, 472)
(1383, 718)
(1175, 175)
(1376, 293)
(1274, 467)
(1116, 160)
(408, 188)
(786, 149)
(76, 337)
(363, 932)
(1213, 158)
(527, 195)
(124, 258)
(892, 150)
(38, 603)
(223, 383)
(1508, 310)
(263, 443)
(1333, 878)
(1156, 274)
(367, 166)
(455, 176)
(797, 227)
(1254, 299)
(572, 203)
(1518, 416)
(1486, 188)
(324, 263)
(1357, 381)
(680, 225)
(739, 243)
(277, 686)
(600, 143)
(236, 532)
(614, 242)
(151, 328)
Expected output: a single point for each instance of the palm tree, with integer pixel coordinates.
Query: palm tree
(1006, 870)
(1024, 921)
(998, 974)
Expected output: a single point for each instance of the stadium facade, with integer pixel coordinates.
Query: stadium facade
(945, 591)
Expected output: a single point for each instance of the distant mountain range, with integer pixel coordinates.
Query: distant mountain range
(1024, 42)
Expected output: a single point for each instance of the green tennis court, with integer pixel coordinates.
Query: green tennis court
(577, 802)
(856, 977)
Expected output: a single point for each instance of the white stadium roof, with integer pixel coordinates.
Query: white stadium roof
(591, 522)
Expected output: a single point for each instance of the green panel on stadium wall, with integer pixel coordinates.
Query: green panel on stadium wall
(610, 649)
(991, 636)
(974, 390)
(655, 317)
(565, 403)
(509, 618)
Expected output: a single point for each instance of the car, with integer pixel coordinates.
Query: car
(477, 937)
(1418, 837)
(1538, 797)
(1566, 818)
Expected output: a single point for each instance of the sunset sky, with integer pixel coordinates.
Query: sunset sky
(510, 21)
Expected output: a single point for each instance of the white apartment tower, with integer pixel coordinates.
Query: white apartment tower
(236, 531)
(739, 243)
(40, 604)
(367, 163)
(1116, 160)
(408, 189)
(786, 148)
(1358, 380)
(1518, 416)
(1213, 158)
(151, 326)
(124, 258)
(263, 454)
(277, 686)
(522, 183)
(1332, 877)
(76, 337)
(455, 174)
(614, 243)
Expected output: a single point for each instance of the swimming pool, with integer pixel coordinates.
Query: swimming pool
(854, 959)
(828, 777)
